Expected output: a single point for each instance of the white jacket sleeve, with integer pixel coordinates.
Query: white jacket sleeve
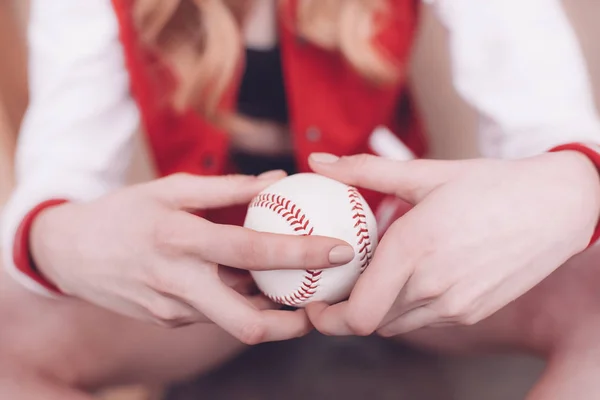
(519, 64)
(76, 140)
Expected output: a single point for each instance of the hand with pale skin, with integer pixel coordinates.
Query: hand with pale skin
(141, 253)
(480, 234)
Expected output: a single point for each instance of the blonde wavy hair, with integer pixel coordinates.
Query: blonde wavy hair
(201, 41)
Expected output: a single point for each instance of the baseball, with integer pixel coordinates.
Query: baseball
(311, 204)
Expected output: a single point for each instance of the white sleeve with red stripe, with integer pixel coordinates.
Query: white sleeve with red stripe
(520, 66)
(77, 136)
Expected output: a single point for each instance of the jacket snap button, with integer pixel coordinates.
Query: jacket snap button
(208, 161)
(313, 134)
(301, 41)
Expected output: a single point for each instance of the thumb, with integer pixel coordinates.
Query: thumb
(186, 191)
(409, 180)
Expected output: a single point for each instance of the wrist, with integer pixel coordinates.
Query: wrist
(27, 257)
(584, 162)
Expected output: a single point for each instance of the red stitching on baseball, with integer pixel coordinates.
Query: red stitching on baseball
(365, 247)
(301, 224)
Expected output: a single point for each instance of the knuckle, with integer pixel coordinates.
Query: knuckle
(324, 330)
(427, 288)
(164, 236)
(358, 161)
(301, 252)
(162, 281)
(454, 308)
(169, 312)
(469, 319)
(232, 179)
(253, 251)
(385, 332)
(307, 257)
(179, 178)
(152, 277)
(171, 324)
(252, 333)
(431, 247)
(360, 325)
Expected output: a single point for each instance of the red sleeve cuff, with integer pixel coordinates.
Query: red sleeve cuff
(21, 254)
(592, 151)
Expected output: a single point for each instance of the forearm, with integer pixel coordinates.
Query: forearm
(76, 139)
(520, 66)
(13, 66)
(13, 93)
(571, 374)
(7, 148)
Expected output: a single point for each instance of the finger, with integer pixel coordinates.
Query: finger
(329, 320)
(171, 311)
(459, 305)
(261, 302)
(119, 304)
(416, 319)
(424, 286)
(235, 314)
(409, 180)
(377, 289)
(401, 307)
(239, 280)
(153, 19)
(244, 248)
(389, 210)
(162, 308)
(186, 191)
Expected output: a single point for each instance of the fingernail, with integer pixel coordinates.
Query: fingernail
(324, 158)
(341, 255)
(272, 174)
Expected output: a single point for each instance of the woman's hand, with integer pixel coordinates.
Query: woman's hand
(140, 253)
(481, 234)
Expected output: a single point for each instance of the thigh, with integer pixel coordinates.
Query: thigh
(152, 355)
(572, 371)
(82, 345)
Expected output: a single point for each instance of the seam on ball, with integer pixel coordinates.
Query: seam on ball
(300, 223)
(365, 245)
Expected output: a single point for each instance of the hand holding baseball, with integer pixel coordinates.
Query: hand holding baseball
(139, 252)
(481, 233)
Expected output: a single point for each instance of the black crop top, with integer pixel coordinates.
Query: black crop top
(262, 95)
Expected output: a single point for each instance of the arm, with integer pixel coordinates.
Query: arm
(483, 232)
(7, 148)
(137, 251)
(520, 66)
(13, 79)
(76, 138)
(13, 93)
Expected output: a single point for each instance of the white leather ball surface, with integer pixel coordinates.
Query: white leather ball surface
(311, 204)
